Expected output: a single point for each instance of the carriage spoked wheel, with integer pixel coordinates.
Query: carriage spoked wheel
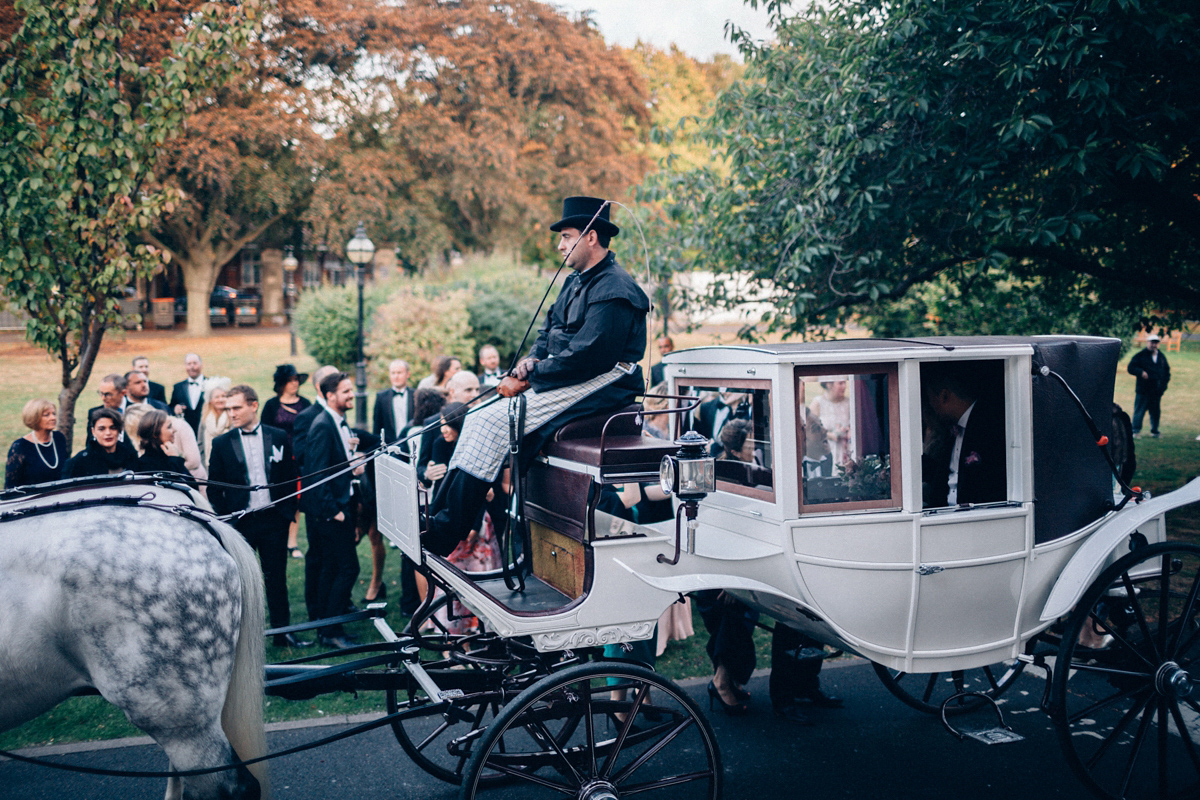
(600, 731)
(1128, 708)
(441, 743)
(927, 691)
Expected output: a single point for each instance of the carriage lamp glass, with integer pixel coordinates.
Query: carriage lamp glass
(690, 474)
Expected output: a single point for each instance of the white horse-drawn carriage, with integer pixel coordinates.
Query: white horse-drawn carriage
(853, 545)
(943, 599)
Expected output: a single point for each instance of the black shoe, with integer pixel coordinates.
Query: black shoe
(792, 713)
(738, 709)
(290, 640)
(351, 609)
(335, 642)
(380, 595)
(822, 700)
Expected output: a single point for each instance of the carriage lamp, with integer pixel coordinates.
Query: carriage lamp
(690, 474)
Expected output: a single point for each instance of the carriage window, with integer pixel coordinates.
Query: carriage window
(963, 459)
(846, 424)
(737, 419)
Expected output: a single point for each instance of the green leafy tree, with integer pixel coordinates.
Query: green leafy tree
(880, 144)
(83, 116)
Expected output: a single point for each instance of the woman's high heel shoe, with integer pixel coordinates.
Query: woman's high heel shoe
(737, 709)
(380, 595)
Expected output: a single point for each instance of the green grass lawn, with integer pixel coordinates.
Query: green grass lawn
(1164, 464)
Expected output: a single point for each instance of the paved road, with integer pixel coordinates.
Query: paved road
(874, 748)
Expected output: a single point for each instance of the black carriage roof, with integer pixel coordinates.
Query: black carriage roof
(929, 343)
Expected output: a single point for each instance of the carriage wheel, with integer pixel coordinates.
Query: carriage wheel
(927, 691)
(570, 735)
(441, 744)
(1128, 709)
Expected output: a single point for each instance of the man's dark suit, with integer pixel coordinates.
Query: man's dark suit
(158, 392)
(982, 470)
(324, 455)
(150, 401)
(312, 557)
(265, 530)
(384, 415)
(180, 397)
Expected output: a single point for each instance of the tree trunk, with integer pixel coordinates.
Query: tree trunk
(73, 384)
(199, 276)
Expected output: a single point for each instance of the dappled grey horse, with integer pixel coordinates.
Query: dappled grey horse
(132, 589)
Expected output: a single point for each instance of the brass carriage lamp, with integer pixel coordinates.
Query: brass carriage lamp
(690, 474)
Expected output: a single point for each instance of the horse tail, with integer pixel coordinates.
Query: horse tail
(242, 716)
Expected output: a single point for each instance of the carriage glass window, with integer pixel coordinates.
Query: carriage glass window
(737, 421)
(848, 438)
(964, 455)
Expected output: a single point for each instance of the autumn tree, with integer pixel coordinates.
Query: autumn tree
(84, 113)
(505, 108)
(881, 144)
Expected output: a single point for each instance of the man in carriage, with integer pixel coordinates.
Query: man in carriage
(584, 361)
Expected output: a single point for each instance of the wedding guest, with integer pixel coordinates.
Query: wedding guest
(40, 455)
(105, 453)
(214, 421)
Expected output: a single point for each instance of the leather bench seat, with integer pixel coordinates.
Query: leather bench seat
(626, 452)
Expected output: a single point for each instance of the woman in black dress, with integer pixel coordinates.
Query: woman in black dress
(281, 410)
(159, 453)
(105, 453)
(40, 455)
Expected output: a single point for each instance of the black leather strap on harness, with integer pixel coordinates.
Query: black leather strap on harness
(514, 575)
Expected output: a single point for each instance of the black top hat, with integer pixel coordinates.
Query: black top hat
(284, 373)
(578, 211)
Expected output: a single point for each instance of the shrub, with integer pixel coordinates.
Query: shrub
(502, 309)
(418, 326)
(326, 318)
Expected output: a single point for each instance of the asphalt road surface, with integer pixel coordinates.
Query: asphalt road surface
(874, 748)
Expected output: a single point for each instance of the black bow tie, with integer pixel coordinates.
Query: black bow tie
(250, 433)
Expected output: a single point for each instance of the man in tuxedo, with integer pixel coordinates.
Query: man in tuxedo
(258, 455)
(137, 390)
(304, 420)
(394, 407)
(970, 468)
(489, 362)
(329, 505)
(157, 391)
(187, 396)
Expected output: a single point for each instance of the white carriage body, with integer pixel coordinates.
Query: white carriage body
(914, 588)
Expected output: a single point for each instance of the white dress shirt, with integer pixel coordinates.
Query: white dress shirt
(256, 470)
(960, 430)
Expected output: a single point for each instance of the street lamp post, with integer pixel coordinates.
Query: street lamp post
(360, 250)
(290, 265)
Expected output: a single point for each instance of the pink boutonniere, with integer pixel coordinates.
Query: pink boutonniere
(973, 458)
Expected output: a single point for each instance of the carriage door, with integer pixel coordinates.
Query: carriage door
(972, 541)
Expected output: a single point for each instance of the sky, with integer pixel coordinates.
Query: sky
(696, 26)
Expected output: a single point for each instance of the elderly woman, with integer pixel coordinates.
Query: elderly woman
(38, 456)
(105, 453)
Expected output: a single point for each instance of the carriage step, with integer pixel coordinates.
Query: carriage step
(999, 734)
